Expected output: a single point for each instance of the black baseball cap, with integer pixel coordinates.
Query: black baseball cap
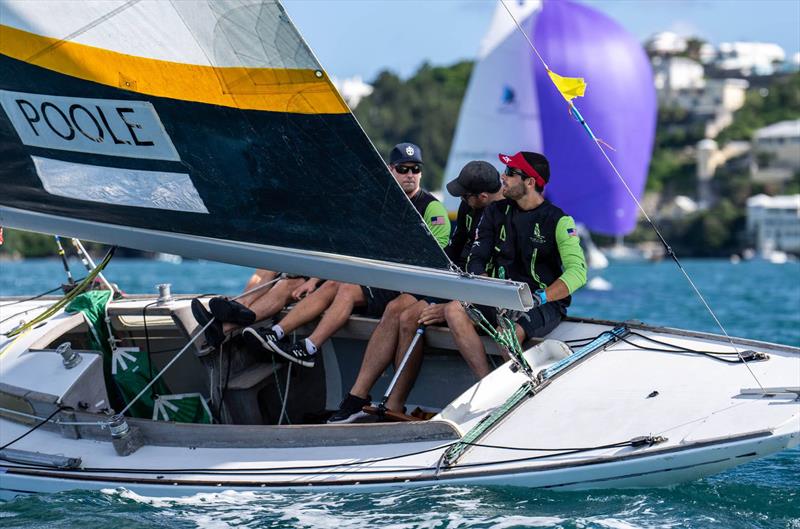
(405, 153)
(476, 177)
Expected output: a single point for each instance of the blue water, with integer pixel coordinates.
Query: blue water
(755, 299)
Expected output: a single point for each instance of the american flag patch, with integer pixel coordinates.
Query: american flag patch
(438, 221)
(572, 232)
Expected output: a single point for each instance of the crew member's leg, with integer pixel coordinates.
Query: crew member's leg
(467, 339)
(347, 298)
(377, 357)
(270, 301)
(381, 347)
(409, 322)
(304, 352)
(259, 276)
(310, 307)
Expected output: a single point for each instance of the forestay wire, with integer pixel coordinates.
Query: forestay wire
(574, 111)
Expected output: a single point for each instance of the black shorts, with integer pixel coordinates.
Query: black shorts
(537, 322)
(377, 299)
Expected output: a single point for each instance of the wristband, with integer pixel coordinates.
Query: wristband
(542, 295)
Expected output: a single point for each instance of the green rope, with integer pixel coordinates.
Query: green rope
(506, 338)
(63, 302)
(455, 451)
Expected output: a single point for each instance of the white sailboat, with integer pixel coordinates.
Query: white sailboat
(188, 127)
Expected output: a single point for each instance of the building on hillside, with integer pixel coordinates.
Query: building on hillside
(673, 74)
(680, 83)
(749, 58)
(776, 152)
(774, 222)
(665, 43)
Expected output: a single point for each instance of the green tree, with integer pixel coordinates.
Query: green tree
(423, 110)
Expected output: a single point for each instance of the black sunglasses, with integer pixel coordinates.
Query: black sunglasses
(510, 171)
(403, 169)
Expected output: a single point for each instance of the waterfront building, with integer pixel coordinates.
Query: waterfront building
(774, 222)
(776, 152)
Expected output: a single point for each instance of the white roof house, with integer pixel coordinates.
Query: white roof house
(777, 151)
(749, 58)
(774, 222)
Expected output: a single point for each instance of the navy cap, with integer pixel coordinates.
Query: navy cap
(476, 177)
(405, 152)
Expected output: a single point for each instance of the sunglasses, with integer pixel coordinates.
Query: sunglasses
(404, 169)
(510, 171)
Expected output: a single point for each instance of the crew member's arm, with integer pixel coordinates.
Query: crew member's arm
(572, 261)
(459, 237)
(437, 221)
(481, 251)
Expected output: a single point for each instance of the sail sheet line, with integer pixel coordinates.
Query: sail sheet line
(570, 87)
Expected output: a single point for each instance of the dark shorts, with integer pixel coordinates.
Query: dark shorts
(537, 322)
(377, 299)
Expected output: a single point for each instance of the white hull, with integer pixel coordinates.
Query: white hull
(692, 406)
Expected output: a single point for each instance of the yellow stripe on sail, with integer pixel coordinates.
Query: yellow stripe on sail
(570, 87)
(298, 91)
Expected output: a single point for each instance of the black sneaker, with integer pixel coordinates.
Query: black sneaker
(213, 333)
(297, 352)
(350, 410)
(228, 310)
(258, 340)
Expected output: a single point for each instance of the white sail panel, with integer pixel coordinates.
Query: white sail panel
(201, 32)
(499, 112)
(124, 187)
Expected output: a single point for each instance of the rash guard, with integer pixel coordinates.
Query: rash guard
(536, 246)
(435, 215)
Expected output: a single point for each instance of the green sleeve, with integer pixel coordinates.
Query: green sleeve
(572, 259)
(438, 222)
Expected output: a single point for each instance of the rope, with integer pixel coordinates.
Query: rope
(72, 294)
(667, 247)
(31, 430)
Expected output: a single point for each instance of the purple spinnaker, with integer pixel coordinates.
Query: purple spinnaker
(619, 105)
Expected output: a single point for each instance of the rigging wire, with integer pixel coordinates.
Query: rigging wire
(329, 467)
(32, 429)
(667, 247)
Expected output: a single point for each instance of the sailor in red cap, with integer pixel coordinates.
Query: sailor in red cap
(523, 238)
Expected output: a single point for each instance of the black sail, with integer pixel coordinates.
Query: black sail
(202, 128)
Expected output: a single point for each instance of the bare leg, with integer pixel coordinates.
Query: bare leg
(409, 322)
(269, 302)
(259, 276)
(347, 298)
(381, 347)
(310, 307)
(467, 339)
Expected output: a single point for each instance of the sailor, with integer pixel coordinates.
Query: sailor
(341, 299)
(230, 314)
(530, 240)
(478, 185)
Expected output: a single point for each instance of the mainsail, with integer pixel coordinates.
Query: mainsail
(204, 128)
(511, 104)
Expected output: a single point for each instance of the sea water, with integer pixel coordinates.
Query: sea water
(757, 300)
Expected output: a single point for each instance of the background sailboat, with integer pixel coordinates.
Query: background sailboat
(511, 104)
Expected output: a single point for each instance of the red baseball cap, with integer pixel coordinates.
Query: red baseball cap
(525, 162)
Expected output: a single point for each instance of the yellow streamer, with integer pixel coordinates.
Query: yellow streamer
(570, 87)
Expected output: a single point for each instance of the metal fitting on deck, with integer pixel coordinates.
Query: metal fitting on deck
(69, 357)
(126, 440)
(164, 294)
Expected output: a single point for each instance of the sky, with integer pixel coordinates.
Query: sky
(363, 37)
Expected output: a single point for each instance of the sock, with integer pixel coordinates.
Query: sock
(310, 347)
(278, 331)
